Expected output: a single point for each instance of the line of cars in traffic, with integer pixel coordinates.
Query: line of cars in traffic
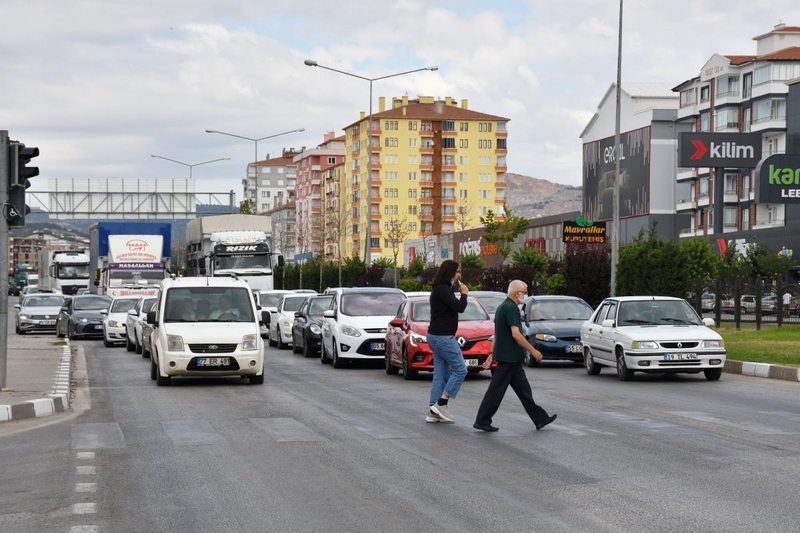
(630, 334)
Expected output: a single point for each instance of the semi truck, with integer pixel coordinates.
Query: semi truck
(228, 245)
(63, 271)
(129, 258)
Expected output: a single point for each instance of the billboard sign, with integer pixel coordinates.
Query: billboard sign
(716, 150)
(582, 231)
(778, 179)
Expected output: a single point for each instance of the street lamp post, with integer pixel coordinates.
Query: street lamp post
(256, 140)
(367, 233)
(190, 165)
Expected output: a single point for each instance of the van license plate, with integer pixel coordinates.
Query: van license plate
(213, 361)
(377, 346)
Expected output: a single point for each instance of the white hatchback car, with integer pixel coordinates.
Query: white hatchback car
(654, 334)
(115, 321)
(281, 319)
(355, 325)
(187, 341)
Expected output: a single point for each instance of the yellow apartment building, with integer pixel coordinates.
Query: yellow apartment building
(430, 166)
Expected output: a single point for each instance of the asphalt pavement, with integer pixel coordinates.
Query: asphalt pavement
(39, 374)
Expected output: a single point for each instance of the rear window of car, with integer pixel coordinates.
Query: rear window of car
(91, 303)
(371, 303)
(122, 306)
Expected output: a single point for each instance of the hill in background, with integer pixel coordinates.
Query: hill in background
(534, 197)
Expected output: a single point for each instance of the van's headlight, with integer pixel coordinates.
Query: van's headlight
(546, 337)
(174, 343)
(350, 331)
(249, 343)
(644, 345)
(315, 329)
(714, 344)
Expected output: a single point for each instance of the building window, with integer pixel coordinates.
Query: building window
(463, 143)
(448, 125)
(746, 119)
(463, 126)
(762, 75)
(769, 109)
(705, 121)
(412, 193)
(501, 144)
(747, 85)
(688, 97)
(744, 219)
(448, 160)
(412, 125)
(726, 118)
(729, 217)
(448, 142)
(705, 93)
(727, 86)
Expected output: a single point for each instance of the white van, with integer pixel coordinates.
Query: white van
(205, 326)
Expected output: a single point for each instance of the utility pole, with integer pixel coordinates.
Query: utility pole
(4, 182)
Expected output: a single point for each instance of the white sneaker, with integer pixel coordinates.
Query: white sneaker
(442, 412)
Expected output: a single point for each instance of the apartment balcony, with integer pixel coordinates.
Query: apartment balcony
(426, 149)
(704, 201)
(731, 197)
(771, 123)
(685, 205)
(688, 111)
(685, 174)
(767, 224)
(426, 200)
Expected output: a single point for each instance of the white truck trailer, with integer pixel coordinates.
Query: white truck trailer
(63, 271)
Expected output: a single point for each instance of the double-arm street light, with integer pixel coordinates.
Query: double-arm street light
(256, 140)
(190, 165)
(312, 63)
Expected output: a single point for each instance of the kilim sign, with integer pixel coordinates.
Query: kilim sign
(715, 150)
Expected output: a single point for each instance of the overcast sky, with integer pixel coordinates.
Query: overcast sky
(100, 85)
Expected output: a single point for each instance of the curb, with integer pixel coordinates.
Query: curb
(762, 370)
(57, 401)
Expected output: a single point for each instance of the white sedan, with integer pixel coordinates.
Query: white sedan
(281, 319)
(133, 323)
(114, 323)
(654, 334)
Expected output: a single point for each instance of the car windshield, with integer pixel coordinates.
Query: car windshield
(293, 303)
(52, 300)
(491, 302)
(558, 310)
(90, 303)
(122, 306)
(208, 304)
(657, 312)
(421, 312)
(371, 303)
(319, 305)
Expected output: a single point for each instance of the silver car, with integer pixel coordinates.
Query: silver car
(38, 312)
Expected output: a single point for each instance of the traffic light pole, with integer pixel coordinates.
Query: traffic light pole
(4, 183)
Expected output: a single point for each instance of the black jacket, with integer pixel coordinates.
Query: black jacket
(445, 307)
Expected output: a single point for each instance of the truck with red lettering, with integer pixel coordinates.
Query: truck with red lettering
(129, 258)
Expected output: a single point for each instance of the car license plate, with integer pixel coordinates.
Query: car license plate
(377, 346)
(572, 348)
(680, 357)
(471, 362)
(213, 361)
(47, 322)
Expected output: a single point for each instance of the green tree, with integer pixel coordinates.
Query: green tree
(503, 232)
(650, 266)
(247, 207)
(701, 266)
(472, 261)
(587, 269)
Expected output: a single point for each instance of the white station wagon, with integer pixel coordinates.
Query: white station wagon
(656, 334)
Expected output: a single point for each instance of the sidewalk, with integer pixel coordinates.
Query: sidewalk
(38, 372)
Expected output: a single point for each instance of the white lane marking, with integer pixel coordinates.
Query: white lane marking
(84, 508)
(754, 428)
(85, 487)
(86, 470)
(84, 455)
(83, 529)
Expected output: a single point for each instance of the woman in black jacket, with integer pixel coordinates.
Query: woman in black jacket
(449, 369)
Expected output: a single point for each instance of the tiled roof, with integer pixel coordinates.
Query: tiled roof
(787, 54)
(435, 111)
(740, 60)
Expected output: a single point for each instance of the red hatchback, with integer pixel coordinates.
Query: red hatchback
(407, 347)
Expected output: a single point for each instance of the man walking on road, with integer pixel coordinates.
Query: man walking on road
(509, 352)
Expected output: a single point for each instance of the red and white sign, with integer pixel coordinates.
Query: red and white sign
(135, 248)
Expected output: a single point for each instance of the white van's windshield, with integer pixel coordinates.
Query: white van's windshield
(208, 304)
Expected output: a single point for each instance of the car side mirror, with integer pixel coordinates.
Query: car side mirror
(396, 323)
(709, 322)
(17, 306)
(104, 312)
(151, 318)
(329, 313)
(608, 323)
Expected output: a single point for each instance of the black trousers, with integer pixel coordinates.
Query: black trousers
(504, 375)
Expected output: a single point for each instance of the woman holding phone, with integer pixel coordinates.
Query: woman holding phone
(448, 299)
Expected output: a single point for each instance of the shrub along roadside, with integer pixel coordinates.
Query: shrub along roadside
(777, 346)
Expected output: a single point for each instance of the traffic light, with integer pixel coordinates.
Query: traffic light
(19, 156)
